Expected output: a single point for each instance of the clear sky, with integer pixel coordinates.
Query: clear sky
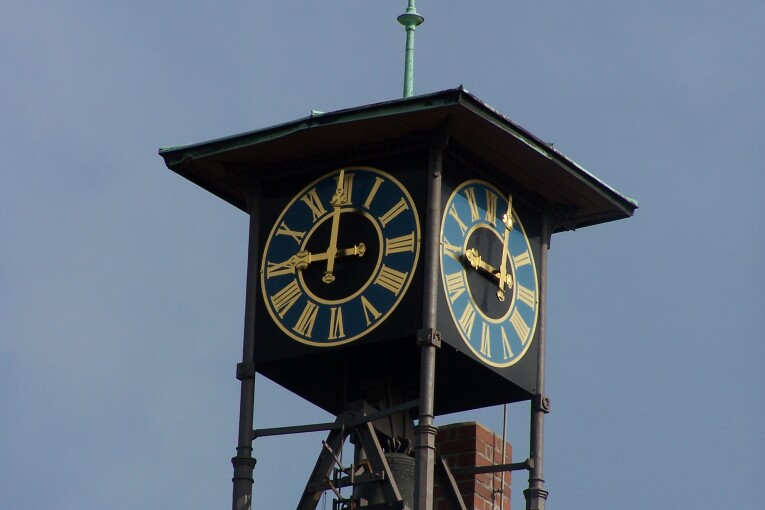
(122, 284)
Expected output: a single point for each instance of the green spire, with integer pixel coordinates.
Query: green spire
(410, 19)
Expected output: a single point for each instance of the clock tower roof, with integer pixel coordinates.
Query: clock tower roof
(221, 166)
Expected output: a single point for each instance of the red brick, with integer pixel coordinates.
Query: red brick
(485, 434)
(467, 429)
(459, 446)
(471, 444)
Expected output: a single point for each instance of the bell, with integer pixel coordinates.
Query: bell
(402, 468)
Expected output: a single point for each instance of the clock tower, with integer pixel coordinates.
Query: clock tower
(397, 271)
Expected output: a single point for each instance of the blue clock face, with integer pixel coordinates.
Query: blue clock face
(340, 257)
(488, 273)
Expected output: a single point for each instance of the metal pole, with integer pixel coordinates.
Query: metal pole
(410, 20)
(536, 495)
(504, 444)
(244, 463)
(425, 431)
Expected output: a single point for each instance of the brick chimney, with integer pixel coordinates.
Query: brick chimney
(471, 444)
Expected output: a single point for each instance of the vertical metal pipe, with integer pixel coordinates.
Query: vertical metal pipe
(503, 461)
(425, 432)
(244, 463)
(536, 495)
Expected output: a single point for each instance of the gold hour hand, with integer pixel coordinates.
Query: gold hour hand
(476, 262)
(302, 259)
(357, 250)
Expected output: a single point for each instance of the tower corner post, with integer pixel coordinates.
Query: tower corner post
(536, 494)
(243, 462)
(425, 431)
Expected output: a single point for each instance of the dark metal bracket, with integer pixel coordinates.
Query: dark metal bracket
(245, 370)
(562, 218)
(429, 336)
(542, 403)
(497, 468)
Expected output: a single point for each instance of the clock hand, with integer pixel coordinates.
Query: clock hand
(507, 219)
(302, 259)
(476, 262)
(338, 200)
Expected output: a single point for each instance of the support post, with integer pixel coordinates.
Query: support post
(244, 463)
(425, 431)
(536, 495)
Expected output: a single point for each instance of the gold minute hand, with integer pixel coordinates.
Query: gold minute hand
(338, 200)
(507, 219)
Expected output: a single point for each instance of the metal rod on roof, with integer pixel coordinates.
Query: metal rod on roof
(410, 20)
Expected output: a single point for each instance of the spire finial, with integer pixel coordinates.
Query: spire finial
(410, 20)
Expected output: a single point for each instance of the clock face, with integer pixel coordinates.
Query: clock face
(340, 256)
(488, 273)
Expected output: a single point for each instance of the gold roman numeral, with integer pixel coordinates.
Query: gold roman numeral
(305, 322)
(284, 230)
(399, 244)
(347, 186)
(279, 268)
(453, 214)
(312, 200)
(369, 310)
(285, 298)
(336, 329)
(485, 339)
(394, 211)
(391, 279)
(527, 296)
(455, 285)
(507, 352)
(491, 207)
(522, 259)
(373, 192)
(521, 328)
(467, 319)
(474, 213)
(451, 250)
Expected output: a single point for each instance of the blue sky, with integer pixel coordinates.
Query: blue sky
(122, 284)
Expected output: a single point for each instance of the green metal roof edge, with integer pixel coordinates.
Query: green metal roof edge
(174, 155)
(382, 109)
(543, 148)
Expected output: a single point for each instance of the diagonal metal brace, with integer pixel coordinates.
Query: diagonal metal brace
(346, 420)
(355, 422)
(369, 442)
(323, 466)
(448, 485)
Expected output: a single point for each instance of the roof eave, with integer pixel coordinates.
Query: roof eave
(201, 163)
